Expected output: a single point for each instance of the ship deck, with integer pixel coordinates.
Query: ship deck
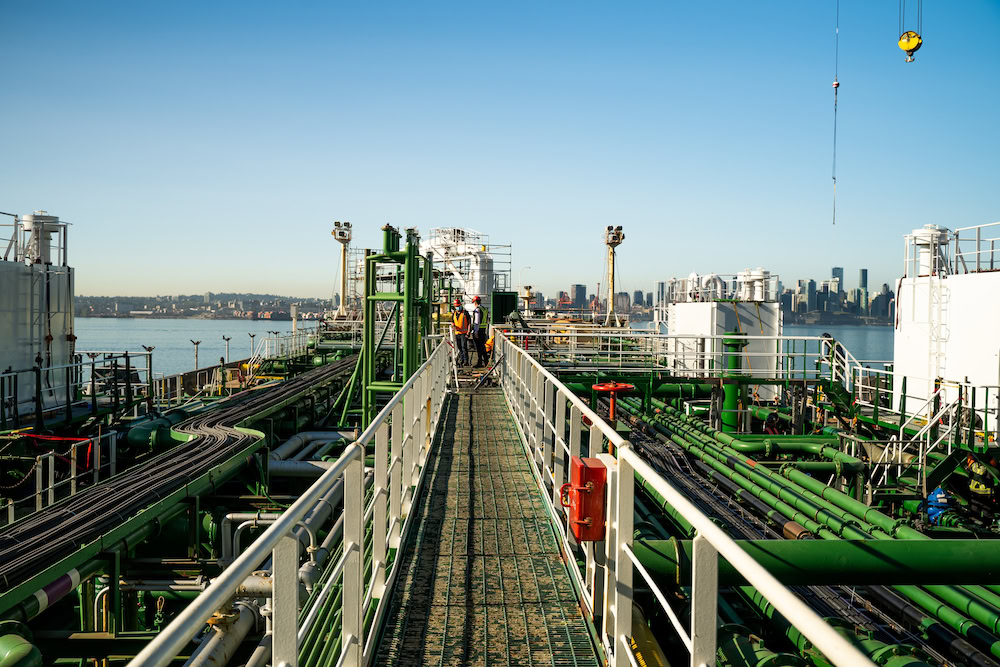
(483, 580)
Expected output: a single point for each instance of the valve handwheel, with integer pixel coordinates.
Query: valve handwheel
(613, 389)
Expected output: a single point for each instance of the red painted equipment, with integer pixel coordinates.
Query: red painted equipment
(613, 388)
(584, 496)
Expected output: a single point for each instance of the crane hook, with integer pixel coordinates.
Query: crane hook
(910, 42)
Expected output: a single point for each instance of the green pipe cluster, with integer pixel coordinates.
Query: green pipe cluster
(973, 611)
(847, 562)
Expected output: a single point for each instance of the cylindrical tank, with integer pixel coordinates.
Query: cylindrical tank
(41, 226)
(928, 240)
(758, 284)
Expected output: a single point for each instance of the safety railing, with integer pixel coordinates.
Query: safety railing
(552, 422)
(401, 434)
(59, 473)
(92, 382)
(975, 248)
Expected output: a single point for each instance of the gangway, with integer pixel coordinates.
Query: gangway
(457, 550)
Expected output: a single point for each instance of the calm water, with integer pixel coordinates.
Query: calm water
(865, 343)
(174, 352)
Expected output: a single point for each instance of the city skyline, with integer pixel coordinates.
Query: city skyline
(556, 120)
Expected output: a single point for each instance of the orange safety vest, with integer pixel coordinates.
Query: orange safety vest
(460, 321)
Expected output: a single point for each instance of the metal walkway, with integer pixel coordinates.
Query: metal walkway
(482, 581)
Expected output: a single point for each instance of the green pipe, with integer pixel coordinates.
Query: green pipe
(969, 599)
(678, 520)
(739, 647)
(894, 527)
(841, 524)
(765, 496)
(952, 618)
(846, 562)
(730, 390)
(16, 651)
(889, 655)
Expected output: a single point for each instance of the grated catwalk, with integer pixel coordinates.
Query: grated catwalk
(483, 582)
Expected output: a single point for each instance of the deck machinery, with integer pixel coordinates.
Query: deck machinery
(870, 493)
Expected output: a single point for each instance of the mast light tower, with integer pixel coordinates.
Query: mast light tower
(342, 232)
(613, 238)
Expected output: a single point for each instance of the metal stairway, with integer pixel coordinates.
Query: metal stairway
(483, 581)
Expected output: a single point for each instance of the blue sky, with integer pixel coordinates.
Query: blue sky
(210, 146)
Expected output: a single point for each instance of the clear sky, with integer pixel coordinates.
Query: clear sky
(209, 145)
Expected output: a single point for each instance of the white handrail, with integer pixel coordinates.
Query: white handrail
(539, 403)
(414, 423)
(824, 637)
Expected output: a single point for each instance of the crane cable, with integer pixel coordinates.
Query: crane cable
(836, 85)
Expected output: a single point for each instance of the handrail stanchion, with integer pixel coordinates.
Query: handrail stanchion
(407, 444)
(352, 615)
(704, 603)
(620, 569)
(396, 475)
(379, 521)
(558, 445)
(285, 601)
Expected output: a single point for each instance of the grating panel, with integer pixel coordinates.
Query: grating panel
(483, 582)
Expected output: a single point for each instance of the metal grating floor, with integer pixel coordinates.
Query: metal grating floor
(483, 582)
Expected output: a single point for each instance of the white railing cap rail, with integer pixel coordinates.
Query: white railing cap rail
(171, 641)
(609, 432)
(824, 637)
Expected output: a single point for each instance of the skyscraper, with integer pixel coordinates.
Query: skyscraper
(579, 295)
(863, 279)
(637, 298)
(837, 273)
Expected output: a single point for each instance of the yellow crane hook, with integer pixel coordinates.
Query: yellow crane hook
(910, 42)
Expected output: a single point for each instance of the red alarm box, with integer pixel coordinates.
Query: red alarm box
(584, 496)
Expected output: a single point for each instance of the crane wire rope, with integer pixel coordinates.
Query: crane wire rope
(836, 85)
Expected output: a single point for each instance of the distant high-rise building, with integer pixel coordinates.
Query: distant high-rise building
(837, 273)
(208, 297)
(637, 298)
(579, 295)
(811, 295)
(622, 303)
(649, 299)
(863, 279)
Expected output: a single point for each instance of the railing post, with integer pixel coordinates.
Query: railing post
(538, 405)
(38, 483)
(352, 639)
(379, 518)
(548, 416)
(596, 559)
(113, 437)
(704, 602)
(52, 478)
(396, 476)
(407, 445)
(95, 462)
(285, 601)
(606, 550)
(619, 564)
(419, 433)
(72, 468)
(558, 453)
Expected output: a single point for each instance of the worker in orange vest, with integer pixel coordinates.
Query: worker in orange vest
(461, 324)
